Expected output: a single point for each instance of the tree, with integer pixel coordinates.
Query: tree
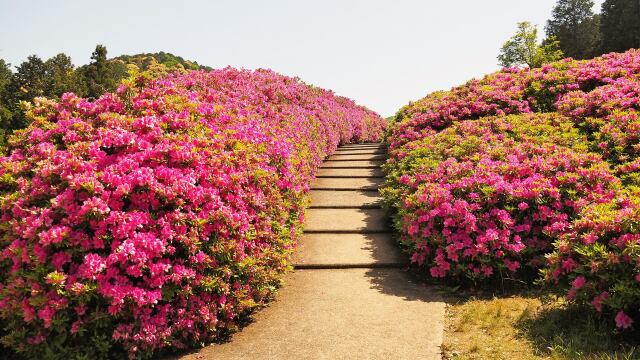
(5, 74)
(29, 81)
(620, 25)
(5, 79)
(99, 74)
(523, 48)
(169, 60)
(62, 77)
(576, 27)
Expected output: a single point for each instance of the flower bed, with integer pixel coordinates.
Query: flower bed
(478, 194)
(158, 216)
(598, 260)
(486, 196)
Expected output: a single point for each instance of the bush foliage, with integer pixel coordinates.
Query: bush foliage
(159, 215)
(524, 170)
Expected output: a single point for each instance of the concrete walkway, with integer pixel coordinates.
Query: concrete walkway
(349, 297)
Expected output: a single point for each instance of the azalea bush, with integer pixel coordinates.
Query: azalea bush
(158, 216)
(489, 196)
(512, 91)
(487, 179)
(598, 260)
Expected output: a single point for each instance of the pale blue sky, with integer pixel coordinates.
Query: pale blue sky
(380, 53)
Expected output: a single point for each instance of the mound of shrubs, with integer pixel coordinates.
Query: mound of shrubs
(160, 215)
(523, 172)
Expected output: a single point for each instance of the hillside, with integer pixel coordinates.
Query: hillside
(144, 60)
(527, 173)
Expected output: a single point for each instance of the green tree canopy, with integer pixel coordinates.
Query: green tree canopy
(62, 77)
(5, 79)
(524, 49)
(57, 75)
(99, 75)
(29, 81)
(620, 25)
(142, 61)
(576, 27)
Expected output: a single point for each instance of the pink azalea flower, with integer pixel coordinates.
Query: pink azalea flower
(623, 320)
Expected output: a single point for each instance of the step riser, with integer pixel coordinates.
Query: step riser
(350, 173)
(348, 266)
(320, 188)
(350, 167)
(349, 177)
(348, 250)
(352, 164)
(344, 157)
(360, 152)
(340, 199)
(345, 207)
(355, 161)
(365, 144)
(362, 230)
(378, 148)
(346, 184)
(346, 220)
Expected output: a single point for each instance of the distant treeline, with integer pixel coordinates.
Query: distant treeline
(51, 78)
(584, 34)
(575, 30)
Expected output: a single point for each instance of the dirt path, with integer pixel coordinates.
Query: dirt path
(349, 297)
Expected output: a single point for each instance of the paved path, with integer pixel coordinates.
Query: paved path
(349, 297)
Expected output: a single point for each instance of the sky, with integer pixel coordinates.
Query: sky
(382, 54)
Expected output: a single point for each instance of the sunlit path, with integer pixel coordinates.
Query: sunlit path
(350, 296)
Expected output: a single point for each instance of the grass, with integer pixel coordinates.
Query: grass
(530, 325)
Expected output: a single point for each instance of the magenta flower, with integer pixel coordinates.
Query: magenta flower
(579, 282)
(167, 210)
(536, 167)
(623, 321)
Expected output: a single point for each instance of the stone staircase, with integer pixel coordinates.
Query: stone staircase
(346, 226)
(349, 296)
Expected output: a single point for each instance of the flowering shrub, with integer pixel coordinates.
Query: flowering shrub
(610, 115)
(487, 196)
(457, 182)
(598, 260)
(511, 91)
(159, 215)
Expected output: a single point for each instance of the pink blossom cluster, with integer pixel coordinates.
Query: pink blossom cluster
(158, 216)
(511, 91)
(488, 196)
(610, 114)
(598, 261)
(456, 181)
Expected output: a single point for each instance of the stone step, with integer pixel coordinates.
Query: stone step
(363, 147)
(341, 314)
(350, 173)
(338, 199)
(331, 251)
(346, 221)
(366, 143)
(359, 151)
(351, 164)
(346, 184)
(351, 157)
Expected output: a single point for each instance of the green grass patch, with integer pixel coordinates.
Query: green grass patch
(529, 325)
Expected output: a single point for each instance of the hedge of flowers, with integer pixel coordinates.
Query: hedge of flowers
(158, 216)
(488, 196)
(527, 170)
